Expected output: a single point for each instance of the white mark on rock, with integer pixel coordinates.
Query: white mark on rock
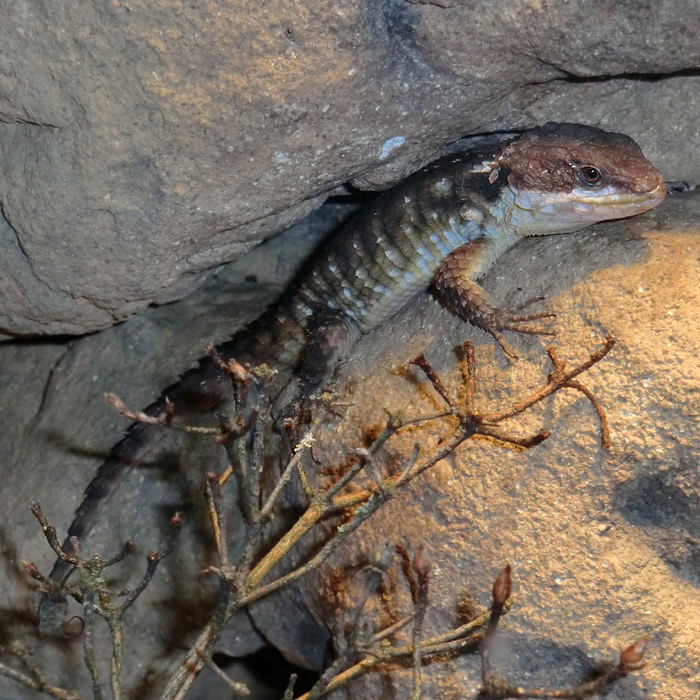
(282, 158)
(391, 144)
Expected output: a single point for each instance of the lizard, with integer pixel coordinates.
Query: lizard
(444, 226)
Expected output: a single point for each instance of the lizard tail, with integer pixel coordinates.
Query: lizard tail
(276, 338)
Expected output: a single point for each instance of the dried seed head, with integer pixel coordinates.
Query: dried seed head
(421, 563)
(31, 569)
(502, 587)
(632, 658)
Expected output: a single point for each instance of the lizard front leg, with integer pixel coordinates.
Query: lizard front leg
(456, 285)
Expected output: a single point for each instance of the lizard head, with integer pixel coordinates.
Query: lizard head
(565, 177)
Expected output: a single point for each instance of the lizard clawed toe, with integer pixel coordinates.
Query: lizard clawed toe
(496, 320)
(526, 303)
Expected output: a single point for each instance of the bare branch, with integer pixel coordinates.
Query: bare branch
(34, 678)
(164, 419)
(236, 687)
(50, 534)
(556, 382)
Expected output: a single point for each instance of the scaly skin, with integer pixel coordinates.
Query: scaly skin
(445, 224)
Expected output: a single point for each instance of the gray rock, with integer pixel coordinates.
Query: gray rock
(142, 145)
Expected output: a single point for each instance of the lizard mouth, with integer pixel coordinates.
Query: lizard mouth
(539, 213)
(618, 205)
(624, 198)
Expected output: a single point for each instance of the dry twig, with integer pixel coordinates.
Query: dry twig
(96, 598)
(495, 688)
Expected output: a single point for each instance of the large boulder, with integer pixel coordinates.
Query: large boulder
(143, 144)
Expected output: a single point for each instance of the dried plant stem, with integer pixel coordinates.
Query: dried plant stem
(89, 645)
(247, 580)
(242, 587)
(237, 687)
(194, 661)
(495, 688)
(557, 381)
(289, 471)
(466, 636)
(34, 678)
(416, 657)
(37, 684)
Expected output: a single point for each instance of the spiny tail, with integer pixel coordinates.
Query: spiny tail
(276, 338)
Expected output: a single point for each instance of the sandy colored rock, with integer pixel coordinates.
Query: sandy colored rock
(604, 545)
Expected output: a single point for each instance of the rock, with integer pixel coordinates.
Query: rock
(59, 429)
(604, 545)
(142, 145)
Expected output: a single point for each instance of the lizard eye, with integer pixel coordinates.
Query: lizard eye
(590, 175)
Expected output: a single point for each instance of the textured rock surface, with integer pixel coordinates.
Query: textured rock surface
(605, 546)
(142, 145)
(145, 143)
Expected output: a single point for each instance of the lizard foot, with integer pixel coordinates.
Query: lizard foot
(494, 320)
